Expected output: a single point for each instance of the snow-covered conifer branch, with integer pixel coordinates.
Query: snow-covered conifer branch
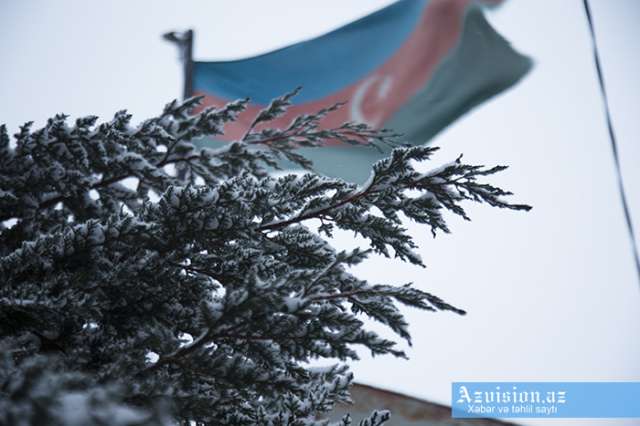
(211, 299)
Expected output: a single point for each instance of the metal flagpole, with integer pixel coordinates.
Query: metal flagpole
(184, 42)
(612, 138)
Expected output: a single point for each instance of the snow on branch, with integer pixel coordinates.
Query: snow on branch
(101, 282)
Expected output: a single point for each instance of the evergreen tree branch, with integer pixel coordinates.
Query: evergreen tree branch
(213, 298)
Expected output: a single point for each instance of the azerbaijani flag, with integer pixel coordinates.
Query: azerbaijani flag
(414, 67)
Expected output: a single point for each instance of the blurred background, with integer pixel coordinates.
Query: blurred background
(551, 295)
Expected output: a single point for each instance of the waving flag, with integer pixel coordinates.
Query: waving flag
(414, 67)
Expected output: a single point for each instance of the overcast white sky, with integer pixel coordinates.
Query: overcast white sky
(551, 295)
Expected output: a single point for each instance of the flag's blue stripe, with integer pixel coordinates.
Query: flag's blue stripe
(323, 65)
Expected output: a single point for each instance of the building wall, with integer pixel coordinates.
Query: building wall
(405, 410)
